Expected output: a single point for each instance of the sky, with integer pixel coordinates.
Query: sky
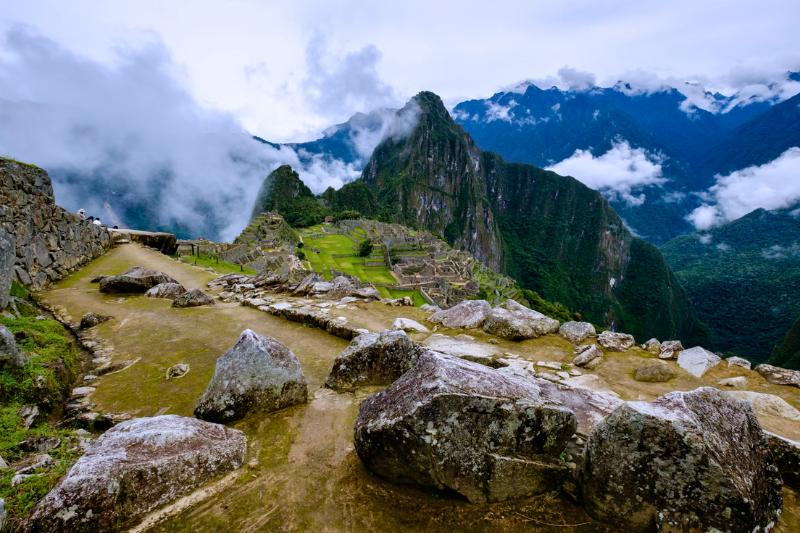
(287, 70)
(149, 106)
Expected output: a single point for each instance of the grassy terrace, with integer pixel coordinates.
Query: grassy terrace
(215, 263)
(340, 252)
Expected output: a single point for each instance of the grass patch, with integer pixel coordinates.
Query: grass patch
(217, 264)
(416, 296)
(341, 252)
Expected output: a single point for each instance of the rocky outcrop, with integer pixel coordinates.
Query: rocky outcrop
(616, 342)
(654, 373)
(587, 355)
(738, 361)
(467, 314)
(576, 332)
(687, 461)
(8, 256)
(452, 424)
(779, 376)
(697, 361)
(166, 290)
(652, 346)
(464, 347)
(409, 326)
(192, 298)
(134, 280)
(786, 453)
(670, 349)
(11, 356)
(136, 467)
(768, 404)
(513, 321)
(49, 242)
(259, 374)
(373, 359)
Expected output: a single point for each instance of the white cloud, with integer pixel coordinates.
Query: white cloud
(777, 251)
(773, 185)
(498, 111)
(618, 173)
(704, 238)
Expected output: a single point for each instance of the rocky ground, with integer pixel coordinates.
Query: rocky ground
(301, 469)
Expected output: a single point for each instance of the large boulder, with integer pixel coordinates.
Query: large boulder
(616, 342)
(373, 359)
(670, 349)
(452, 424)
(136, 467)
(10, 353)
(738, 361)
(654, 373)
(768, 404)
(787, 456)
(779, 376)
(192, 298)
(8, 255)
(576, 332)
(586, 355)
(135, 280)
(514, 321)
(408, 325)
(259, 374)
(689, 461)
(166, 290)
(465, 347)
(466, 314)
(697, 361)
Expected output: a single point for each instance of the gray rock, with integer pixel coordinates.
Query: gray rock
(136, 467)
(408, 325)
(514, 321)
(90, 320)
(466, 314)
(697, 361)
(653, 346)
(585, 354)
(368, 293)
(135, 280)
(3, 464)
(192, 298)
(670, 349)
(738, 361)
(373, 359)
(428, 308)
(177, 371)
(687, 461)
(29, 415)
(616, 342)
(11, 355)
(768, 404)
(259, 374)
(453, 424)
(166, 290)
(8, 255)
(2, 514)
(738, 382)
(654, 373)
(465, 348)
(779, 376)
(786, 453)
(576, 332)
(341, 286)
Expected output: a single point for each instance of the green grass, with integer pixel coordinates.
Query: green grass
(214, 262)
(399, 293)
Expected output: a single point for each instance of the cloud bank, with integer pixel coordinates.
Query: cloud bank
(773, 185)
(618, 173)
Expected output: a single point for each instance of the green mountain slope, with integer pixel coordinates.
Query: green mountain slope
(743, 279)
(283, 191)
(550, 232)
(787, 353)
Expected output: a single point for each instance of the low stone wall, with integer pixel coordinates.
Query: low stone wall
(49, 241)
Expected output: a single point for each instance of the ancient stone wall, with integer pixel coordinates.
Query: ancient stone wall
(49, 241)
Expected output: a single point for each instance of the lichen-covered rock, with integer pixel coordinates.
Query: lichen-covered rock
(654, 373)
(514, 321)
(465, 348)
(616, 342)
(453, 424)
(408, 325)
(193, 298)
(576, 332)
(259, 374)
(166, 290)
(767, 404)
(90, 320)
(585, 354)
(10, 353)
(653, 346)
(135, 280)
(697, 361)
(779, 376)
(466, 314)
(786, 453)
(373, 359)
(670, 349)
(738, 361)
(136, 467)
(8, 256)
(694, 461)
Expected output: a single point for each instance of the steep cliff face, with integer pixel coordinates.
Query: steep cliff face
(433, 179)
(551, 233)
(49, 242)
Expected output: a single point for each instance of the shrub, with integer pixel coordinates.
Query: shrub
(365, 248)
